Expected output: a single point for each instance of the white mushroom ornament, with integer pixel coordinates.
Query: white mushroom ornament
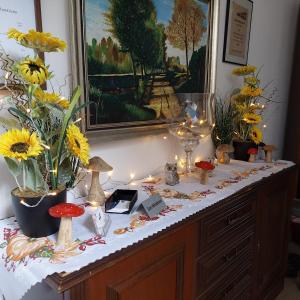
(96, 195)
(222, 153)
(268, 153)
(65, 211)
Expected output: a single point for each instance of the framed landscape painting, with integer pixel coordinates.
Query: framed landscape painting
(133, 56)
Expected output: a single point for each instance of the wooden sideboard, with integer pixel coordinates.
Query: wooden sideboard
(236, 249)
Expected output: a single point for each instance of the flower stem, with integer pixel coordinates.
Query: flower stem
(24, 175)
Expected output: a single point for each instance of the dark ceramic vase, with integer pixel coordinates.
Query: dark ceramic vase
(241, 149)
(35, 221)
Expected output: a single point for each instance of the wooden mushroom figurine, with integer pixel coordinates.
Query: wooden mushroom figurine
(204, 167)
(223, 153)
(252, 152)
(65, 211)
(268, 152)
(96, 195)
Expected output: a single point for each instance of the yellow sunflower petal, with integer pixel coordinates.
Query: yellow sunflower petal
(78, 144)
(40, 41)
(33, 70)
(252, 118)
(51, 98)
(250, 91)
(256, 135)
(242, 71)
(20, 144)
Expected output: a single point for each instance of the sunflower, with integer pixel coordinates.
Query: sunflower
(252, 81)
(242, 71)
(33, 70)
(250, 91)
(40, 41)
(238, 98)
(78, 144)
(13, 33)
(256, 135)
(20, 144)
(251, 118)
(51, 98)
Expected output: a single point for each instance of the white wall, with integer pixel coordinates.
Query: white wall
(273, 34)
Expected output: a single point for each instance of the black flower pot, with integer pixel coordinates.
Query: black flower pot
(241, 149)
(35, 221)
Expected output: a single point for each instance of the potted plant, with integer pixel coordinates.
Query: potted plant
(249, 103)
(223, 131)
(45, 150)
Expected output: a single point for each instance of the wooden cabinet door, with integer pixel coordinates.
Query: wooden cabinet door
(273, 209)
(160, 270)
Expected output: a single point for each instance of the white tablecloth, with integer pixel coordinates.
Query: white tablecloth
(25, 262)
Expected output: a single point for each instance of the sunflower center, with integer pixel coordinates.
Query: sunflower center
(33, 67)
(77, 143)
(19, 147)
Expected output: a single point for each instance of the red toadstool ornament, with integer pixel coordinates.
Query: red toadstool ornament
(204, 166)
(65, 211)
(252, 152)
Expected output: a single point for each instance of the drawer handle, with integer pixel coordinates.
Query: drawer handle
(232, 220)
(231, 257)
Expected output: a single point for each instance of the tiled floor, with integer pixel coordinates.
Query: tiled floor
(291, 291)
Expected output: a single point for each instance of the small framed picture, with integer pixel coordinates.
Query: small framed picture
(237, 31)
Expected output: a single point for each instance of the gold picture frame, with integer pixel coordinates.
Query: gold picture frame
(80, 71)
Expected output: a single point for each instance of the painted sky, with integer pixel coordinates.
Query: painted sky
(96, 28)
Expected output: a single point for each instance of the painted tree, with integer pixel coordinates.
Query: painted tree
(185, 27)
(127, 20)
(197, 24)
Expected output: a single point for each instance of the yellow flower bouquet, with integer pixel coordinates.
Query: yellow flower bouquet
(249, 103)
(45, 150)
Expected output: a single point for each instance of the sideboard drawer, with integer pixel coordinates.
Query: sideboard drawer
(217, 265)
(234, 288)
(226, 223)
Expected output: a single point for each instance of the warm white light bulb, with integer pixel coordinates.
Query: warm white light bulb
(46, 146)
(132, 175)
(164, 137)
(78, 120)
(110, 174)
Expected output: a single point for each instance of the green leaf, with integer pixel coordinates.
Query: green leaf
(3, 245)
(66, 171)
(14, 167)
(79, 108)
(69, 115)
(18, 113)
(34, 177)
